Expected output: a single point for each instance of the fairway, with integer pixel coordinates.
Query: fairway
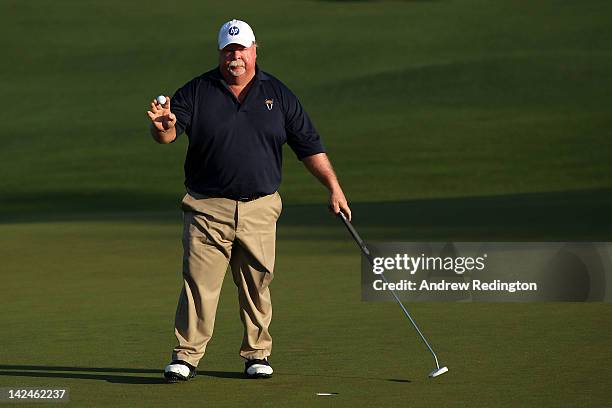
(445, 121)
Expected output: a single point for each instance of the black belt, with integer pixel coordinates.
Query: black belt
(243, 199)
(247, 199)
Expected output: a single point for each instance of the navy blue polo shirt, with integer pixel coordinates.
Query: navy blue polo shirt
(235, 150)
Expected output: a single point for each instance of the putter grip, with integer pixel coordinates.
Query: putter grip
(355, 236)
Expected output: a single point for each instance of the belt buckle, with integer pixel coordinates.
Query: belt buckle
(247, 199)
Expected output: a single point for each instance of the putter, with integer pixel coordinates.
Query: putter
(439, 370)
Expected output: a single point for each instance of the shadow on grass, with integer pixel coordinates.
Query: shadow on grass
(112, 378)
(85, 373)
(349, 377)
(560, 216)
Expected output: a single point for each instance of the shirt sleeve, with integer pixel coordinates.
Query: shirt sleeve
(302, 136)
(181, 105)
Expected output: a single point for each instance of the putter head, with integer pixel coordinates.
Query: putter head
(438, 371)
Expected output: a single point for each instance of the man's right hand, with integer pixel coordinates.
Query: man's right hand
(162, 122)
(160, 115)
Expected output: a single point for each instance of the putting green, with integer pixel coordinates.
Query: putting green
(89, 305)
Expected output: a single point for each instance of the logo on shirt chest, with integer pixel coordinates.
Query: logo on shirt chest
(269, 103)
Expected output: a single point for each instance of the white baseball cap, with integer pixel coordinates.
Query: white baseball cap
(235, 32)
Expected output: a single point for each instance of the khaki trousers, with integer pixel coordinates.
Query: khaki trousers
(218, 232)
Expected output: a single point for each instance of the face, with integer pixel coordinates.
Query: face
(237, 60)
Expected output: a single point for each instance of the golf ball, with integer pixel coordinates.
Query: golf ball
(161, 99)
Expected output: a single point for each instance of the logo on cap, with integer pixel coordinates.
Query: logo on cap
(233, 30)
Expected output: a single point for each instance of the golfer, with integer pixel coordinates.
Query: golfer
(237, 118)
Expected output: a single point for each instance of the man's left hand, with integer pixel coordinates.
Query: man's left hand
(337, 203)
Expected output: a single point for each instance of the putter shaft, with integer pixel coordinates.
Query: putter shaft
(368, 255)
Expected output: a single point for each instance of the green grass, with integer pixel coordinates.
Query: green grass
(446, 120)
(447, 98)
(92, 310)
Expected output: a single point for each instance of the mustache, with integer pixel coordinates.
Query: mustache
(236, 63)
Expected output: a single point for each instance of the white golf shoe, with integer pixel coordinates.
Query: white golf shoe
(256, 368)
(179, 370)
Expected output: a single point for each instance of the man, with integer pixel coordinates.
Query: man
(237, 118)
